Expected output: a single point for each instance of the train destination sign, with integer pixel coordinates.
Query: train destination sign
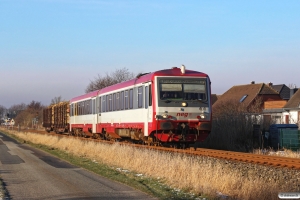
(183, 81)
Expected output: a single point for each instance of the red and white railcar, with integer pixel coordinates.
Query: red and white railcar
(171, 106)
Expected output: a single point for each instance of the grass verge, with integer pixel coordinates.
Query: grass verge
(158, 173)
(154, 187)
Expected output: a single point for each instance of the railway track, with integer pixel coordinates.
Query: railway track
(273, 161)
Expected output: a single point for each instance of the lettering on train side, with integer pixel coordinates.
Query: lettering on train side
(182, 114)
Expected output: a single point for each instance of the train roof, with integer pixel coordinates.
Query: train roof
(175, 71)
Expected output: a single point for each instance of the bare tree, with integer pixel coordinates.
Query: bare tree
(14, 110)
(232, 125)
(56, 100)
(292, 85)
(118, 76)
(34, 110)
(35, 105)
(2, 111)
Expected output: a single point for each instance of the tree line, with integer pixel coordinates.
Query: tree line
(24, 114)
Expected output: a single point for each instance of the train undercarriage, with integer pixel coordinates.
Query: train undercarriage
(181, 137)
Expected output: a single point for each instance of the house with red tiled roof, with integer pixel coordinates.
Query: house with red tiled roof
(284, 113)
(248, 94)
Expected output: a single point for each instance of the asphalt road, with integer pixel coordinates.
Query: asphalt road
(29, 173)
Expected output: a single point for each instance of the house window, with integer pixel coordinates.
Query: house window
(243, 98)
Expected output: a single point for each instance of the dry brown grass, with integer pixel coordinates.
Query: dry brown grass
(199, 175)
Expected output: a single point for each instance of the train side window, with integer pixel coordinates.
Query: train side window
(82, 108)
(140, 97)
(100, 102)
(107, 103)
(110, 102)
(130, 98)
(103, 104)
(87, 107)
(93, 106)
(122, 101)
(126, 99)
(70, 108)
(90, 106)
(79, 108)
(117, 100)
(146, 96)
(76, 109)
(150, 95)
(114, 101)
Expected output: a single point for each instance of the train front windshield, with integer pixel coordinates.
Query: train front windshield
(182, 89)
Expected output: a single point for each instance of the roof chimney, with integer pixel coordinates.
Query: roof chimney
(252, 82)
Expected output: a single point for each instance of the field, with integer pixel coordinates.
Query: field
(197, 176)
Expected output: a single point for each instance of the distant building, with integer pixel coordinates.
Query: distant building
(248, 93)
(285, 92)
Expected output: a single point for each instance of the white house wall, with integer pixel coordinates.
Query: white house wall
(293, 117)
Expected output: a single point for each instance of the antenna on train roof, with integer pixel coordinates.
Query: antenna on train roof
(141, 74)
(182, 68)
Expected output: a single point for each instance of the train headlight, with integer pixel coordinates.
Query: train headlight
(165, 116)
(201, 116)
(184, 104)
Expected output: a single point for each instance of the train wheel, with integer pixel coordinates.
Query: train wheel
(150, 141)
(95, 136)
(77, 133)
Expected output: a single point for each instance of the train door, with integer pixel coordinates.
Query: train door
(147, 117)
(99, 110)
(95, 114)
(75, 113)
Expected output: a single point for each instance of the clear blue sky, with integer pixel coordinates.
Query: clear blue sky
(51, 48)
